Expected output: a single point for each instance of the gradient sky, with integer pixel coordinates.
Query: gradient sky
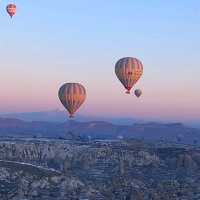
(51, 42)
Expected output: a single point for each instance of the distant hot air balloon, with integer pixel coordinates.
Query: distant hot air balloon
(138, 92)
(72, 96)
(128, 70)
(11, 9)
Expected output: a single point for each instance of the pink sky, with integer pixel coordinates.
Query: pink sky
(38, 53)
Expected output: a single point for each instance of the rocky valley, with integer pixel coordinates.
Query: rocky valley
(41, 169)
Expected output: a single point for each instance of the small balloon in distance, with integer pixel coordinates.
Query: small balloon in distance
(11, 9)
(138, 93)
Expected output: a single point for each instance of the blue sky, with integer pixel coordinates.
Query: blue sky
(49, 42)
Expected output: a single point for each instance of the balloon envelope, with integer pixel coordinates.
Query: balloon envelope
(128, 70)
(72, 96)
(138, 93)
(11, 9)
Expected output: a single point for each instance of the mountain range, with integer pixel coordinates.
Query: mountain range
(61, 116)
(173, 132)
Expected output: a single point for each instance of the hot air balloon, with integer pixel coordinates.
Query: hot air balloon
(72, 96)
(11, 9)
(128, 70)
(138, 93)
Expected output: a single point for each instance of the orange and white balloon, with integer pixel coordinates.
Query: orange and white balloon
(11, 9)
(72, 96)
(128, 70)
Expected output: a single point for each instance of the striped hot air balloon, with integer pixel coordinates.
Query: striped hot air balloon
(72, 96)
(138, 93)
(128, 70)
(11, 9)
